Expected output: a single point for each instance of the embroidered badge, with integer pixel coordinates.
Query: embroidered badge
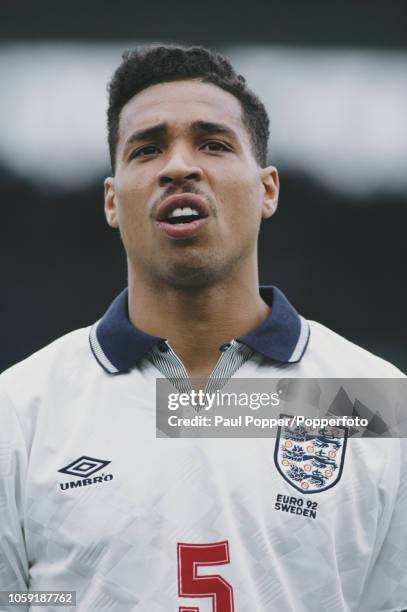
(310, 458)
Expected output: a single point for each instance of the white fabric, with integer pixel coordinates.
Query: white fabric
(115, 542)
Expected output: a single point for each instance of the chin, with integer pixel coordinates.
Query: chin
(191, 278)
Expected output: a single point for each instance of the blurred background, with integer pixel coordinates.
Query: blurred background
(333, 77)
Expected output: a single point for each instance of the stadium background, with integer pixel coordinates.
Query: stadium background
(334, 79)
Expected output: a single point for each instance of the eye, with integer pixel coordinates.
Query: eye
(146, 151)
(215, 145)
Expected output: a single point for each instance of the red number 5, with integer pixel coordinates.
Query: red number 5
(190, 557)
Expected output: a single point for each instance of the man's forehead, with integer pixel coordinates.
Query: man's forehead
(181, 102)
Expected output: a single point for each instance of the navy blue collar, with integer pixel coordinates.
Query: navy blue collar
(118, 346)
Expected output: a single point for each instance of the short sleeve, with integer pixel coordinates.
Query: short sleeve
(386, 587)
(13, 466)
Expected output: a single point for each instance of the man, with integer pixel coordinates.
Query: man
(91, 500)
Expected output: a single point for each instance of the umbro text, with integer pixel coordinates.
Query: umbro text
(84, 482)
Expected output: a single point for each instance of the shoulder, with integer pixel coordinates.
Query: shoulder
(338, 356)
(53, 365)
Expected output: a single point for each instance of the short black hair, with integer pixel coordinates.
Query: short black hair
(145, 66)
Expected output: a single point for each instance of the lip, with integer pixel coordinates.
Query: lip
(185, 199)
(182, 230)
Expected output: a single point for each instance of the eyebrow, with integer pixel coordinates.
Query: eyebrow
(206, 127)
(155, 131)
(161, 129)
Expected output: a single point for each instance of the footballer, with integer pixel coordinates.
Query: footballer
(91, 500)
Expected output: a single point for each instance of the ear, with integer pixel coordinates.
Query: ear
(110, 202)
(271, 184)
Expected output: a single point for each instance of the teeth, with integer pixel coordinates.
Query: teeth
(185, 211)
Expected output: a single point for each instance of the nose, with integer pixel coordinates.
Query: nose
(179, 167)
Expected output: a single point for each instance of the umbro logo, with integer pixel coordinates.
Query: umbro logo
(85, 467)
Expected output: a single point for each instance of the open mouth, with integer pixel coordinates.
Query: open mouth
(183, 216)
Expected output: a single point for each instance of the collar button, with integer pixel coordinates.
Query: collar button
(224, 347)
(163, 346)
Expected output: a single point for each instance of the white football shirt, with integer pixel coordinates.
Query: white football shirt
(92, 501)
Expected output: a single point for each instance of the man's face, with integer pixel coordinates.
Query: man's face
(187, 137)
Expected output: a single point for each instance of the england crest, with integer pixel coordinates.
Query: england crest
(310, 458)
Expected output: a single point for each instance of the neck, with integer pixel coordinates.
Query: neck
(197, 323)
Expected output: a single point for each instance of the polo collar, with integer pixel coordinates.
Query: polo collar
(118, 346)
